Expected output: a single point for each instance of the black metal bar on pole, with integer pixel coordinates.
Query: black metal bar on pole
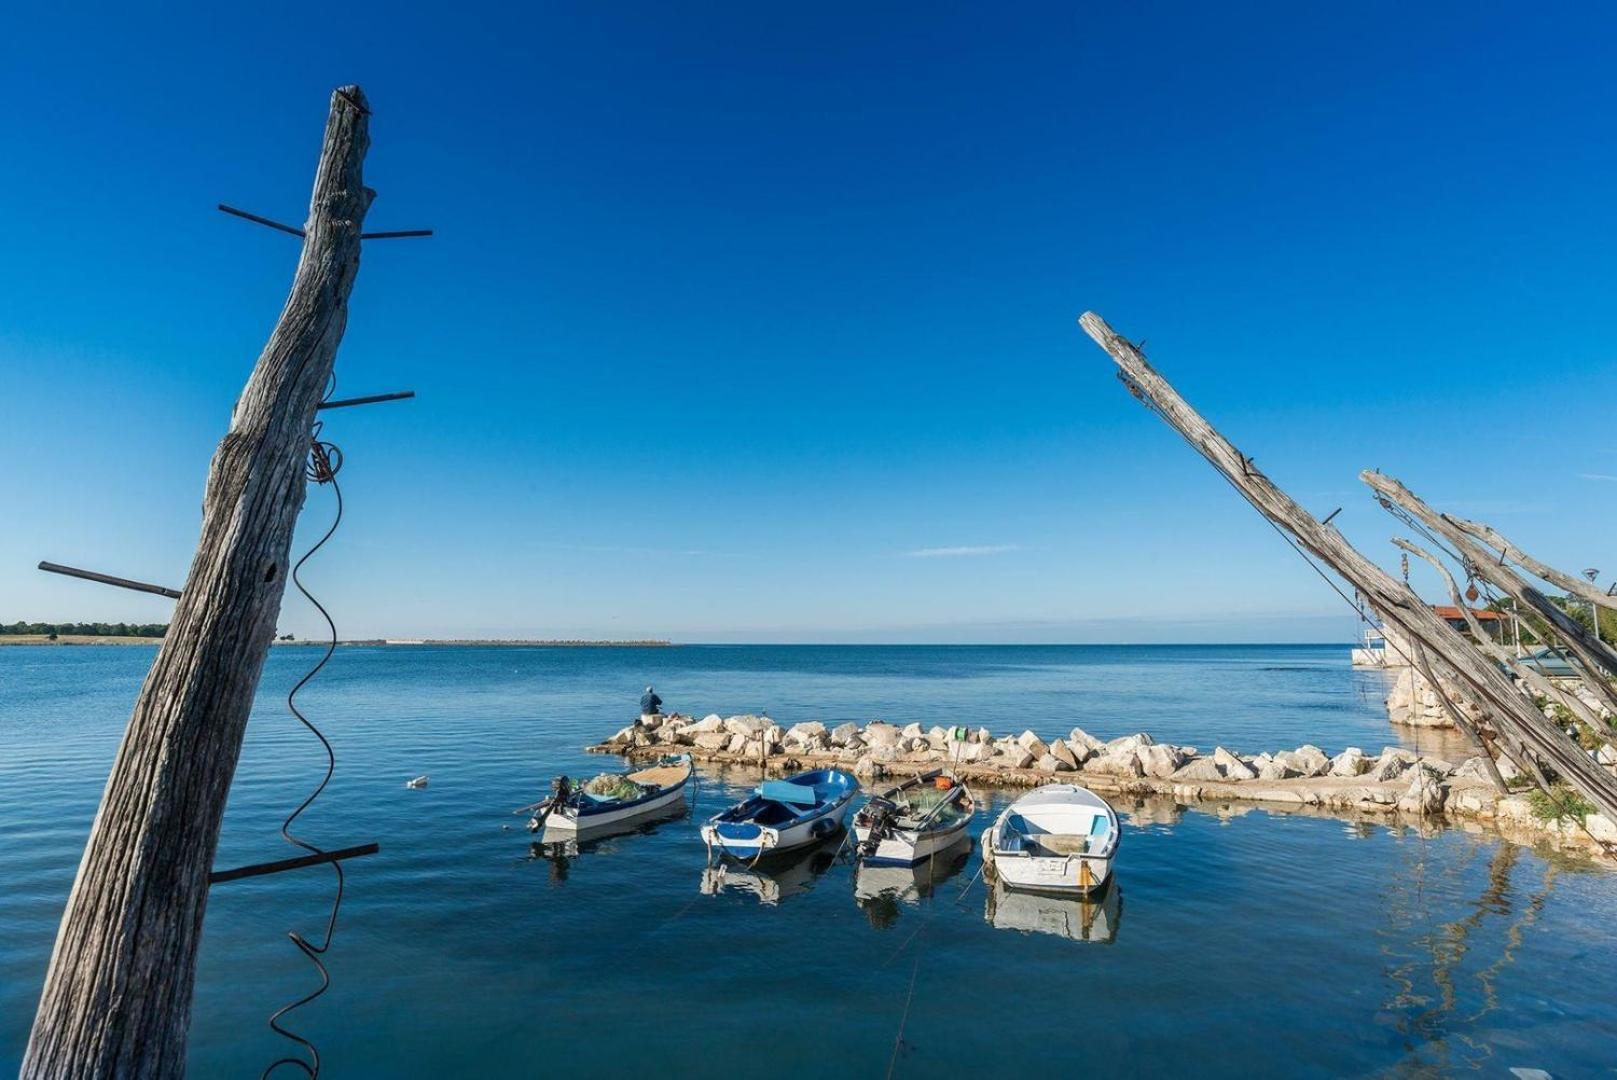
(108, 579)
(294, 230)
(343, 403)
(260, 869)
(395, 235)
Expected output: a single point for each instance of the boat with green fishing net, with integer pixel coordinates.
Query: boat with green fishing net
(612, 798)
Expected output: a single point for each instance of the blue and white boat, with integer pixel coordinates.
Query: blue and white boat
(612, 798)
(783, 814)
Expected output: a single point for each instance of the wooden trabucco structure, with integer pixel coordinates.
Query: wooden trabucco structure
(1511, 716)
(117, 996)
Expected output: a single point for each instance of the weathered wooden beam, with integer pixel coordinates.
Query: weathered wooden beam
(1597, 659)
(117, 996)
(1393, 600)
(1568, 583)
(1571, 702)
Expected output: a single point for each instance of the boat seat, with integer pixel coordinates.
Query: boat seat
(659, 775)
(1063, 843)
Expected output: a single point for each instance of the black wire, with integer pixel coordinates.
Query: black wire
(325, 460)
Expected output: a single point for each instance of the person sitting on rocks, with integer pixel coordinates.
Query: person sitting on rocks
(650, 705)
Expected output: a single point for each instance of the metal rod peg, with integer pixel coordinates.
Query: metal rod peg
(294, 230)
(108, 579)
(343, 403)
(260, 869)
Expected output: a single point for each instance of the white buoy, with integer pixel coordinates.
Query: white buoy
(418, 782)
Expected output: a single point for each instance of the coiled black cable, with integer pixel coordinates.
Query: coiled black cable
(325, 460)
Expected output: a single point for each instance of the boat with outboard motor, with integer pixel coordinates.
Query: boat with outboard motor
(1059, 838)
(611, 798)
(782, 814)
(909, 823)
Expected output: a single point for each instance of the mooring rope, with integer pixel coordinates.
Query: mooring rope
(325, 460)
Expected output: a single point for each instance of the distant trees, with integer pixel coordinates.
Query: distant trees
(99, 629)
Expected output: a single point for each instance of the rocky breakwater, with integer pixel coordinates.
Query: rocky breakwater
(1395, 781)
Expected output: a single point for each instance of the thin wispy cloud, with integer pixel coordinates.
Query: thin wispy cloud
(963, 552)
(1596, 476)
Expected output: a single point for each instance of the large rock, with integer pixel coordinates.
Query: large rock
(1051, 764)
(877, 733)
(1307, 759)
(1063, 754)
(1350, 762)
(1392, 764)
(976, 752)
(1425, 793)
(1032, 744)
(711, 740)
(1121, 763)
(1232, 765)
(1129, 742)
(913, 731)
(746, 724)
(982, 735)
(806, 730)
(1202, 770)
(1160, 760)
(623, 737)
(708, 723)
(865, 767)
(938, 738)
(1079, 737)
(738, 743)
(1272, 768)
(844, 734)
(884, 752)
(1018, 758)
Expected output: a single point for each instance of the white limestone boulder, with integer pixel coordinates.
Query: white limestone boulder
(1032, 744)
(1232, 766)
(1201, 770)
(1160, 760)
(1350, 762)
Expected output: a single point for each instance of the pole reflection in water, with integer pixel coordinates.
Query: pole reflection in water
(773, 878)
(1091, 919)
(881, 891)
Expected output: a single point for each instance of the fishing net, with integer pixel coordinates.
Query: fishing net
(612, 786)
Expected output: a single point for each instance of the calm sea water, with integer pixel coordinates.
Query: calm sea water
(1236, 945)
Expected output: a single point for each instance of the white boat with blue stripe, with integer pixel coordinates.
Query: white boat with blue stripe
(1059, 838)
(612, 798)
(782, 815)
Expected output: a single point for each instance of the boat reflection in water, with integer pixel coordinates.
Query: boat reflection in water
(1093, 918)
(882, 891)
(773, 878)
(560, 847)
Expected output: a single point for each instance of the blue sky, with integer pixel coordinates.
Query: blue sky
(748, 322)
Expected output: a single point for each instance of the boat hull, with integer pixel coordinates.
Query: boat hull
(1069, 875)
(810, 830)
(906, 847)
(569, 819)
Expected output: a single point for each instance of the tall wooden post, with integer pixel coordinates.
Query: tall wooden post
(117, 997)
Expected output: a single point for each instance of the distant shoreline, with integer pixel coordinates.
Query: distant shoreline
(91, 639)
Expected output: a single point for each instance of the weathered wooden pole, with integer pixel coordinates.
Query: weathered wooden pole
(1572, 585)
(117, 997)
(1599, 661)
(1395, 602)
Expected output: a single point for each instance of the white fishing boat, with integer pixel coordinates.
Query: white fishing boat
(910, 823)
(612, 798)
(782, 814)
(1060, 838)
